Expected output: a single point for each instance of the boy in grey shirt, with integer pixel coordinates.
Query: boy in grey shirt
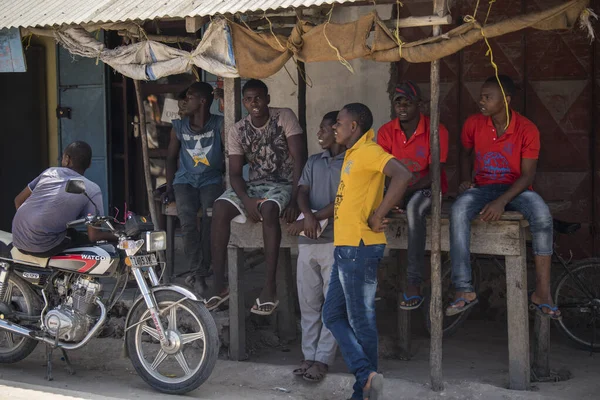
(39, 227)
(318, 187)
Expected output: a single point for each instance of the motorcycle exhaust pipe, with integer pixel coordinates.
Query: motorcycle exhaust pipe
(29, 333)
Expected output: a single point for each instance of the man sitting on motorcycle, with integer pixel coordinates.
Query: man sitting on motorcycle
(39, 227)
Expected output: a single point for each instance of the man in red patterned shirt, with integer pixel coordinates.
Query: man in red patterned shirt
(505, 146)
(407, 138)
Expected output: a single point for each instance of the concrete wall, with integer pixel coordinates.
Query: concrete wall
(333, 85)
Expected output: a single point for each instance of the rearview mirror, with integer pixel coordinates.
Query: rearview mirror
(75, 186)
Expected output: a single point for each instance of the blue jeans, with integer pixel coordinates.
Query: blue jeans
(196, 244)
(417, 209)
(467, 207)
(349, 309)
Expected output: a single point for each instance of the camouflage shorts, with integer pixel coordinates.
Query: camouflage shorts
(280, 193)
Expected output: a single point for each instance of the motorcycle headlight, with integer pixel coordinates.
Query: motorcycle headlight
(156, 241)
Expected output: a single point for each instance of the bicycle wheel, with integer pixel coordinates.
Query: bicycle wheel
(577, 295)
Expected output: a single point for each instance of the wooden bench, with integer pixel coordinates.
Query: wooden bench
(506, 237)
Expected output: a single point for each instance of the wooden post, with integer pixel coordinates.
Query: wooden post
(435, 354)
(518, 321)
(286, 315)
(237, 307)
(404, 317)
(145, 156)
(541, 347)
(170, 270)
(302, 96)
(233, 113)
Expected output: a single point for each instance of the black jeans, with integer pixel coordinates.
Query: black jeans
(196, 245)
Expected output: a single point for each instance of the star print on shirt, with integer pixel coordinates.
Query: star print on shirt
(200, 154)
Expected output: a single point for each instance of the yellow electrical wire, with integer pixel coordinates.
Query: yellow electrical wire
(490, 53)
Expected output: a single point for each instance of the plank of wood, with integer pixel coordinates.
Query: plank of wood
(404, 317)
(286, 313)
(435, 306)
(412, 22)
(237, 307)
(499, 238)
(541, 347)
(145, 157)
(518, 321)
(193, 24)
(170, 267)
(233, 113)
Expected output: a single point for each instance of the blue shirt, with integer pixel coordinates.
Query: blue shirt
(200, 154)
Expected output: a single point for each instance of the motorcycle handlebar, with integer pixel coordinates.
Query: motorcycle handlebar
(76, 222)
(94, 221)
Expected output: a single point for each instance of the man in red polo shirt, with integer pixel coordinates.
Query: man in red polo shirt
(505, 146)
(407, 138)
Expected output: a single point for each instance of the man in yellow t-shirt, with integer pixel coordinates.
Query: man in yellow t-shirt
(359, 239)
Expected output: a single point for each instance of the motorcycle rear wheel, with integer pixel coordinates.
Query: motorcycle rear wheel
(194, 340)
(19, 297)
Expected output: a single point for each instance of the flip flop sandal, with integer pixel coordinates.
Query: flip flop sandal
(306, 364)
(375, 392)
(450, 311)
(420, 301)
(216, 301)
(316, 372)
(539, 308)
(258, 310)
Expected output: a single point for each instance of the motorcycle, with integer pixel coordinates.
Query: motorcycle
(169, 335)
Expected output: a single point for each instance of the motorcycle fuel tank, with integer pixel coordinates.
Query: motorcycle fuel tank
(99, 259)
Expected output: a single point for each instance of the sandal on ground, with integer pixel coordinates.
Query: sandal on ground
(316, 372)
(259, 307)
(215, 301)
(450, 311)
(539, 308)
(418, 304)
(375, 391)
(306, 364)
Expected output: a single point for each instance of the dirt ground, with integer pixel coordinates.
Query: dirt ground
(475, 361)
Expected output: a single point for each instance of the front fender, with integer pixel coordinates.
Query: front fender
(176, 288)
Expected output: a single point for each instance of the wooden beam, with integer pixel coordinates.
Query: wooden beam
(518, 320)
(286, 23)
(435, 352)
(411, 22)
(237, 309)
(233, 113)
(162, 38)
(302, 91)
(541, 347)
(275, 21)
(286, 315)
(193, 24)
(145, 156)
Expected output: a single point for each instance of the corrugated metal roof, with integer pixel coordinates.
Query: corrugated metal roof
(39, 13)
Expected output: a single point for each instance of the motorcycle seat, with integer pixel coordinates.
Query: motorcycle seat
(26, 258)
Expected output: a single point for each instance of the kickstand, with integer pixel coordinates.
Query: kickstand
(49, 350)
(65, 358)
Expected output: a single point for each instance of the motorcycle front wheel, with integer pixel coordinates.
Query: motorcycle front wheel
(193, 348)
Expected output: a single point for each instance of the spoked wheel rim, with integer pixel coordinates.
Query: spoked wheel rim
(13, 298)
(186, 352)
(580, 313)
